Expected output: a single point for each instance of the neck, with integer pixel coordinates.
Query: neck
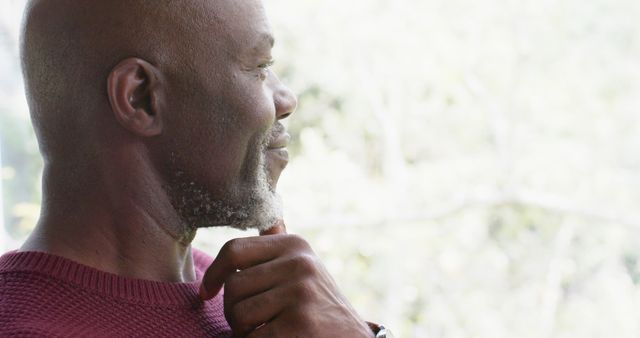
(112, 214)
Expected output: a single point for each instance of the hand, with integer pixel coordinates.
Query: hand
(275, 286)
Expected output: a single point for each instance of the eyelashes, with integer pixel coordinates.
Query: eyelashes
(267, 64)
(264, 69)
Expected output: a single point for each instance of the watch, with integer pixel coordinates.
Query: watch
(380, 331)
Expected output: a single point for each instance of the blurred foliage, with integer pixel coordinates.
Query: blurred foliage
(464, 168)
(20, 163)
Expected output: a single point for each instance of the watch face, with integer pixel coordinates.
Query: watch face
(384, 333)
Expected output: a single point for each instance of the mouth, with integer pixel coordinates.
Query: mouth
(280, 142)
(277, 150)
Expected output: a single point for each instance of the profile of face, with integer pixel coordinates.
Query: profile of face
(223, 146)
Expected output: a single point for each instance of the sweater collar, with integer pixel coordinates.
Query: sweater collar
(108, 284)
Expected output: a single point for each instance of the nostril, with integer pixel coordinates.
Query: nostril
(286, 102)
(284, 116)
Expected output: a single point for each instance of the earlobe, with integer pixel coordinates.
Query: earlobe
(134, 91)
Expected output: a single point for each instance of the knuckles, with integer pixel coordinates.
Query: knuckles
(239, 319)
(304, 264)
(303, 292)
(300, 289)
(296, 241)
(231, 251)
(231, 247)
(306, 288)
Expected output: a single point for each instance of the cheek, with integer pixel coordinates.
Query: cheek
(210, 132)
(252, 103)
(225, 141)
(253, 117)
(251, 110)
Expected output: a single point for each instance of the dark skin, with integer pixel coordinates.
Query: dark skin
(171, 85)
(276, 279)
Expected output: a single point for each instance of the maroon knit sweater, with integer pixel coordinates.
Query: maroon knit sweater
(42, 295)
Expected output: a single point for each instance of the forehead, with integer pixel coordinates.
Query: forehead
(242, 24)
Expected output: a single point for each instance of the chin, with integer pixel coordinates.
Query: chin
(248, 203)
(274, 170)
(259, 216)
(263, 215)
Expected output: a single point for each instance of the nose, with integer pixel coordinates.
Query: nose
(284, 99)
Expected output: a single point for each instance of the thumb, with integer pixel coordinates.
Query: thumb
(278, 228)
(214, 277)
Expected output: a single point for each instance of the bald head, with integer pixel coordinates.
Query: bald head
(169, 98)
(69, 48)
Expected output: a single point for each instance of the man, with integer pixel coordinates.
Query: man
(156, 118)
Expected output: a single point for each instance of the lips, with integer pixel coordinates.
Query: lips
(278, 155)
(278, 147)
(279, 142)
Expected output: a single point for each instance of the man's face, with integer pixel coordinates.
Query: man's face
(224, 148)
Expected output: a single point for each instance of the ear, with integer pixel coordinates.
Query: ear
(135, 94)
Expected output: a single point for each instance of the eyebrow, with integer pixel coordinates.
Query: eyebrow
(265, 37)
(270, 39)
(263, 44)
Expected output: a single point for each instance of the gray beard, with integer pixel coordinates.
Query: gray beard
(258, 207)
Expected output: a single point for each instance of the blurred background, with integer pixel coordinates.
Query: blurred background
(464, 168)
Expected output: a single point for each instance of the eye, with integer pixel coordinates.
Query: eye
(267, 64)
(264, 69)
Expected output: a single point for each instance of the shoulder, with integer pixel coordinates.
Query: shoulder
(27, 328)
(21, 312)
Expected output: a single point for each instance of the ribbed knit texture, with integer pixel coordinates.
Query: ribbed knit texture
(43, 295)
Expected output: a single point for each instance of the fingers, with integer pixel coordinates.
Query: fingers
(284, 285)
(236, 254)
(249, 282)
(284, 325)
(243, 253)
(252, 281)
(277, 309)
(251, 313)
(269, 330)
(222, 267)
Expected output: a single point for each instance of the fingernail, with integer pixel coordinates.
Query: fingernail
(276, 229)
